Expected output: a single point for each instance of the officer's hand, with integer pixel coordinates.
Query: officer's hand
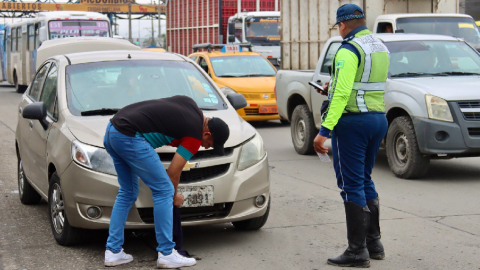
(178, 199)
(318, 144)
(325, 86)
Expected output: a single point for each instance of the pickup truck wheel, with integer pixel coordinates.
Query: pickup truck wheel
(403, 154)
(64, 234)
(303, 130)
(254, 223)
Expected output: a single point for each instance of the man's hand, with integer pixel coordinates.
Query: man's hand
(325, 86)
(178, 199)
(318, 144)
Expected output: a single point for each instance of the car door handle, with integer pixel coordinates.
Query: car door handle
(31, 124)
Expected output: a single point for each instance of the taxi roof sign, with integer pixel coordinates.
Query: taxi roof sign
(222, 47)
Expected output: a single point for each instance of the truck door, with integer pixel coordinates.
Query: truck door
(322, 75)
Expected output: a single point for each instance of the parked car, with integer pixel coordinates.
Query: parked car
(243, 72)
(431, 97)
(62, 119)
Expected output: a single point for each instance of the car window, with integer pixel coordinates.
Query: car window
(194, 58)
(242, 66)
(116, 84)
(49, 92)
(332, 50)
(37, 82)
(385, 27)
(203, 64)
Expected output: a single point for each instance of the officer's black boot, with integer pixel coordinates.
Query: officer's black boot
(375, 247)
(358, 222)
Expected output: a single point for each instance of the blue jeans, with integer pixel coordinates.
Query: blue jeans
(134, 157)
(355, 143)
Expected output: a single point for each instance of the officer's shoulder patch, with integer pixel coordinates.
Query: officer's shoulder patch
(340, 64)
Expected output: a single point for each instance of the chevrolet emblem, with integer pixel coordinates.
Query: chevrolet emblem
(189, 166)
(266, 96)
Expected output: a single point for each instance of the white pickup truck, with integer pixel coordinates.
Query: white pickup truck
(432, 100)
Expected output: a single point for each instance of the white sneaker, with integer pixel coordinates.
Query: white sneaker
(174, 260)
(114, 259)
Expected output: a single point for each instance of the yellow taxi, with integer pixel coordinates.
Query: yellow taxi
(244, 72)
(154, 49)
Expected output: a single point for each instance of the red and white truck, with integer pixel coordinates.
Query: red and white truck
(191, 22)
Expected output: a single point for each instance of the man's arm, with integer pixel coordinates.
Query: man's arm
(346, 65)
(175, 169)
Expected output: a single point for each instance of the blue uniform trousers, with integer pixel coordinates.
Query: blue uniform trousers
(355, 142)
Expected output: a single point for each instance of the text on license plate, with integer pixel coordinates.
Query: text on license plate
(267, 109)
(196, 196)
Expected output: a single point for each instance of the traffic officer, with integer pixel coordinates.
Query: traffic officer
(356, 119)
(131, 137)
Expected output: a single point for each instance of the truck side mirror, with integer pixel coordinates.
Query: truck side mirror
(231, 39)
(42, 34)
(36, 111)
(399, 31)
(238, 101)
(231, 28)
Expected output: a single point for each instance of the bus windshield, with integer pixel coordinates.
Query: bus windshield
(451, 26)
(72, 28)
(263, 31)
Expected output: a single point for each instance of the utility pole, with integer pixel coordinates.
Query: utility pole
(130, 22)
(153, 29)
(159, 25)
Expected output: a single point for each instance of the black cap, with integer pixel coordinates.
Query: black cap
(220, 133)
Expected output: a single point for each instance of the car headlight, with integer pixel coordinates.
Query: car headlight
(92, 157)
(438, 109)
(227, 90)
(251, 153)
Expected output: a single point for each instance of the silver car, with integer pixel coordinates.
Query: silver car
(61, 158)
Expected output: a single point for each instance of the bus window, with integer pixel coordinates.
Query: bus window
(14, 40)
(37, 40)
(19, 39)
(31, 38)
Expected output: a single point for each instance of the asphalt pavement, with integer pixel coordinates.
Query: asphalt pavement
(431, 223)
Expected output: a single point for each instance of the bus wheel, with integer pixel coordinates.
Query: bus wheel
(18, 88)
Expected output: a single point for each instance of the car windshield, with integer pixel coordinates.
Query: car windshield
(264, 31)
(443, 58)
(116, 84)
(451, 26)
(242, 66)
(73, 28)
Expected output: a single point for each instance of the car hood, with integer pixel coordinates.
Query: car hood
(91, 129)
(448, 88)
(249, 84)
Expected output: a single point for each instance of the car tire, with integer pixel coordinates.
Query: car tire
(28, 195)
(404, 156)
(254, 223)
(303, 130)
(63, 233)
(18, 88)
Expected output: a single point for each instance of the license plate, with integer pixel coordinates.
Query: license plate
(267, 109)
(196, 196)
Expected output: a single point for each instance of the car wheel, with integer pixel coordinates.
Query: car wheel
(18, 88)
(254, 223)
(403, 154)
(28, 195)
(64, 234)
(303, 130)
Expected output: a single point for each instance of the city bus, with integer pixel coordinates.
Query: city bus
(22, 39)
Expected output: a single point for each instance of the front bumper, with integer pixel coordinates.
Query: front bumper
(83, 188)
(452, 139)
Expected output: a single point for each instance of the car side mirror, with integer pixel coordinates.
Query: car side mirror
(36, 111)
(238, 101)
(231, 28)
(399, 31)
(231, 39)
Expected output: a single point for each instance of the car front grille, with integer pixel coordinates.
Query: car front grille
(199, 155)
(254, 111)
(258, 96)
(218, 210)
(465, 106)
(201, 174)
